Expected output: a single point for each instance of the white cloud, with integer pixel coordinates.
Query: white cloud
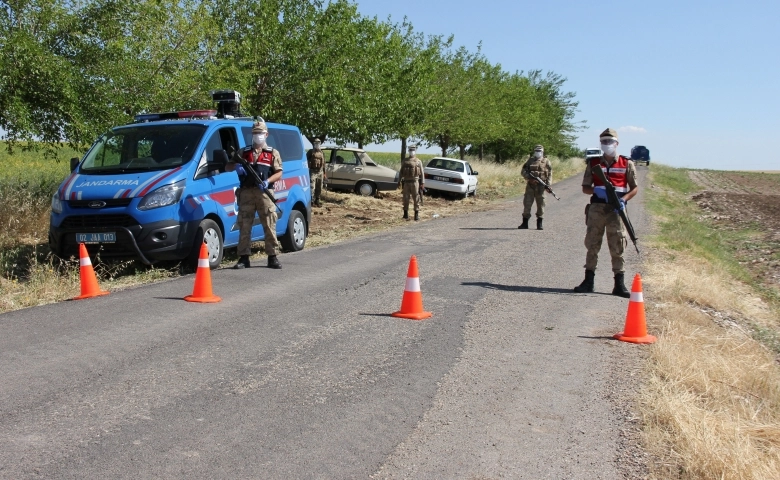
(632, 129)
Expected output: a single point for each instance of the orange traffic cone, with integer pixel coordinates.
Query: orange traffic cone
(89, 284)
(411, 304)
(202, 291)
(635, 330)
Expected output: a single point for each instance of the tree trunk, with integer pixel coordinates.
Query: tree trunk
(403, 147)
(481, 151)
(360, 145)
(462, 151)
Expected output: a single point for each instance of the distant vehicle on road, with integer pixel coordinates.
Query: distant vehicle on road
(353, 169)
(450, 175)
(592, 153)
(640, 154)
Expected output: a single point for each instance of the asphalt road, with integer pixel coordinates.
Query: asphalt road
(302, 373)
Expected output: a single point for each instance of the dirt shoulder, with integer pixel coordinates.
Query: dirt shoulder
(345, 215)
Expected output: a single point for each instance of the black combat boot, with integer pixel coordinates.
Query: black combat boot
(539, 224)
(273, 262)
(416, 215)
(243, 262)
(524, 225)
(620, 287)
(406, 214)
(587, 285)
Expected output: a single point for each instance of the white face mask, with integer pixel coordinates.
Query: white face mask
(609, 150)
(538, 154)
(258, 139)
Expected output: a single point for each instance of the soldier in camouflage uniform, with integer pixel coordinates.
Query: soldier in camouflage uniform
(413, 180)
(251, 198)
(539, 166)
(316, 165)
(601, 217)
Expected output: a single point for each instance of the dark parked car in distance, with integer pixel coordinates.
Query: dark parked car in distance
(640, 154)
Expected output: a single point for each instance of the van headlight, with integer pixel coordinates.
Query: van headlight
(162, 197)
(56, 203)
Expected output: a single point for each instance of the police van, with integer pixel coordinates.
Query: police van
(157, 189)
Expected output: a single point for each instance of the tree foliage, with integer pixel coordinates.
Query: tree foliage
(71, 69)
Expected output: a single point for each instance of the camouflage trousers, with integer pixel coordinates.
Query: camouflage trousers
(602, 217)
(251, 200)
(315, 179)
(533, 192)
(412, 190)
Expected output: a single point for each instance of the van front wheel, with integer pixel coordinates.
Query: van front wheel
(210, 234)
(294, 238)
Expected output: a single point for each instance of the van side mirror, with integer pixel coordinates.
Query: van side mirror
(74, 162)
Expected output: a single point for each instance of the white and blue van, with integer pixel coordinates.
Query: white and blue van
(156, 189)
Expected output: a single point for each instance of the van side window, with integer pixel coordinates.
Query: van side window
(288, 142)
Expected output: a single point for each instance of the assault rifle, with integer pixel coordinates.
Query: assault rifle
(421, 191)
(542, 183)
(254, 176)
(614, 201)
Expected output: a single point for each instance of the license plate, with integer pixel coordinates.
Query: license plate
(441, 179)
(103, 237)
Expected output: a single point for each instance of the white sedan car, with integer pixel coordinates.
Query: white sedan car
(451, 175)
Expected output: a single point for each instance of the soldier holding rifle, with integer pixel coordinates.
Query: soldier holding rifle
(537, 167)
(601, 216)
(256, 194)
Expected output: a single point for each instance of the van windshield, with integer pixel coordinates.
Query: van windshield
(143, 148)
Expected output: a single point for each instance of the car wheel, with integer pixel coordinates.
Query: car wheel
(474, 193)
(295, 237)
(367, 189)
(210, 234)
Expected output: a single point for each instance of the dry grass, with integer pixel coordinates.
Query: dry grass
(711, 401)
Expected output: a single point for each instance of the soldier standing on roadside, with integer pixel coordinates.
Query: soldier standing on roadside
(251, 198)
(316, 164)
(539, 166)
(412, 179)
(601, 217)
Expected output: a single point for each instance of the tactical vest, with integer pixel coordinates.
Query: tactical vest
(262, 163)
(410, 169)
(539, 168)
(316, 160)
(617, 174)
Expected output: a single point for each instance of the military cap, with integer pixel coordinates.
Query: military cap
(259, 127)
(316, 140)
(412, 147)
(610, 132)
(538, 148)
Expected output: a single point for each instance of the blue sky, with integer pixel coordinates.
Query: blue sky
(697, 82)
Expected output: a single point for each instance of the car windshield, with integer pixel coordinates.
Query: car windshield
(445, 164)
(143, 148)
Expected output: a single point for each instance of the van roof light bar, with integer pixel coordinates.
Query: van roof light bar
(191, 114)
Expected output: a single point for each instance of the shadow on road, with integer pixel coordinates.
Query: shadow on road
(523, 288)
(520, 288)
(596, 338)
(488, 228)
